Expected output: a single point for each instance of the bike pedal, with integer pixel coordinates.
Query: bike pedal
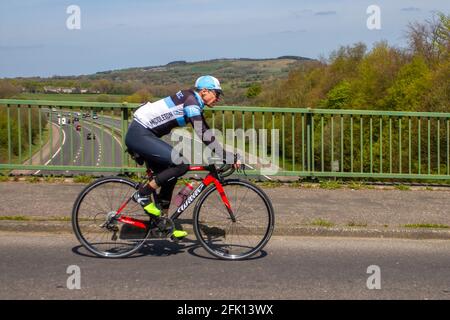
(177, 239)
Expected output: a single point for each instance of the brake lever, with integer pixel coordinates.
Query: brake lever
(242, 169)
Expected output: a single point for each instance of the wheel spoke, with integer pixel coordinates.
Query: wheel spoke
(98, 207)
(222, 237)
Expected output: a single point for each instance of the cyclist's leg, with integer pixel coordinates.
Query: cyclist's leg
(167, 179)
(144, 142)
(160, 157)
(165, 195)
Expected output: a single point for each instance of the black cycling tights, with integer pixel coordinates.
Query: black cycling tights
(158, 154)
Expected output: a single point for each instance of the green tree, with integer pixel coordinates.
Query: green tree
(376, 73)
(339, 97)
(140, 96)
(254, 90)
(430, 39)
(437, 99)
(410, 87)
(104, 86)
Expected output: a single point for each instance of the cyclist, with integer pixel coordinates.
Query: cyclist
(154, 120)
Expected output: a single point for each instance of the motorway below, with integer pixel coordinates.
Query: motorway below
(77, 150)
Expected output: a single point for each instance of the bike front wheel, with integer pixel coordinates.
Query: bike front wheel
(235, 238)
(93, 222)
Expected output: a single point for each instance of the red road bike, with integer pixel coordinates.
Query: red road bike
(233, 219)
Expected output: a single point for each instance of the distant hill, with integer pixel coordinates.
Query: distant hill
(232, 72)
(241, 79)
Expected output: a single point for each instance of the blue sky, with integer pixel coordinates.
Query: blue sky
(114, 34)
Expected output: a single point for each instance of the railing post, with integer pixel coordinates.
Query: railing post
(124, 112)
(8, 121)
(309, 142)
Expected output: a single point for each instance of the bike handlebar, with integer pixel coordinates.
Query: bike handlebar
(226, 170)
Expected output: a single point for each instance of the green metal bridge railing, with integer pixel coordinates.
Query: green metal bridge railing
(313, 142)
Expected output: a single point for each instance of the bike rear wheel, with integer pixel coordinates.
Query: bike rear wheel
(92, 223)
(238, 240)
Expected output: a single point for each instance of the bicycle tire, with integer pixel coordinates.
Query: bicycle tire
(212, 233)
(84, 224)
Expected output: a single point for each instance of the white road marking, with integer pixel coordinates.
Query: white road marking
(57, 151)
(80, 147)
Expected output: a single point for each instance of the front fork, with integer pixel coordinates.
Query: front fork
(225, 200)
(218, 183)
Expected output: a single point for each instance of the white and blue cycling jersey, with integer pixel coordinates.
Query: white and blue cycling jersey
(162, 116)
(184, 107)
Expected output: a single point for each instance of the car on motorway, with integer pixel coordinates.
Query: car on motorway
(94, 115)
(90, 136)
(78, 127)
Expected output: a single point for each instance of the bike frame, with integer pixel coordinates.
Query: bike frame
(211, 178)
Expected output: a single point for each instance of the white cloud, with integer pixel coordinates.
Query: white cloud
(410, 9)
(325, 13)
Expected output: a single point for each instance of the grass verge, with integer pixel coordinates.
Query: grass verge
(426, 225)
(15, 218)
(356, 224)
(321, 223)
(82, 179)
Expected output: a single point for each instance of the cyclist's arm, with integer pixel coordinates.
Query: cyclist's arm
(201, 128)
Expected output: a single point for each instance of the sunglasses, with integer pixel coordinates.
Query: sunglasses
(217, 93)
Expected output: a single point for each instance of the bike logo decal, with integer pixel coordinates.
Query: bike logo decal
(191, 198)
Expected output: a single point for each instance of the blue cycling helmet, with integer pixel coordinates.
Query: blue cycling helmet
(208, 82)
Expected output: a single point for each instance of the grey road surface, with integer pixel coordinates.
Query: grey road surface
(35, 266)
(76, 150)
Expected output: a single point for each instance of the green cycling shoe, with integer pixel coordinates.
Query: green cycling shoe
(179, 234)
(153, 210)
